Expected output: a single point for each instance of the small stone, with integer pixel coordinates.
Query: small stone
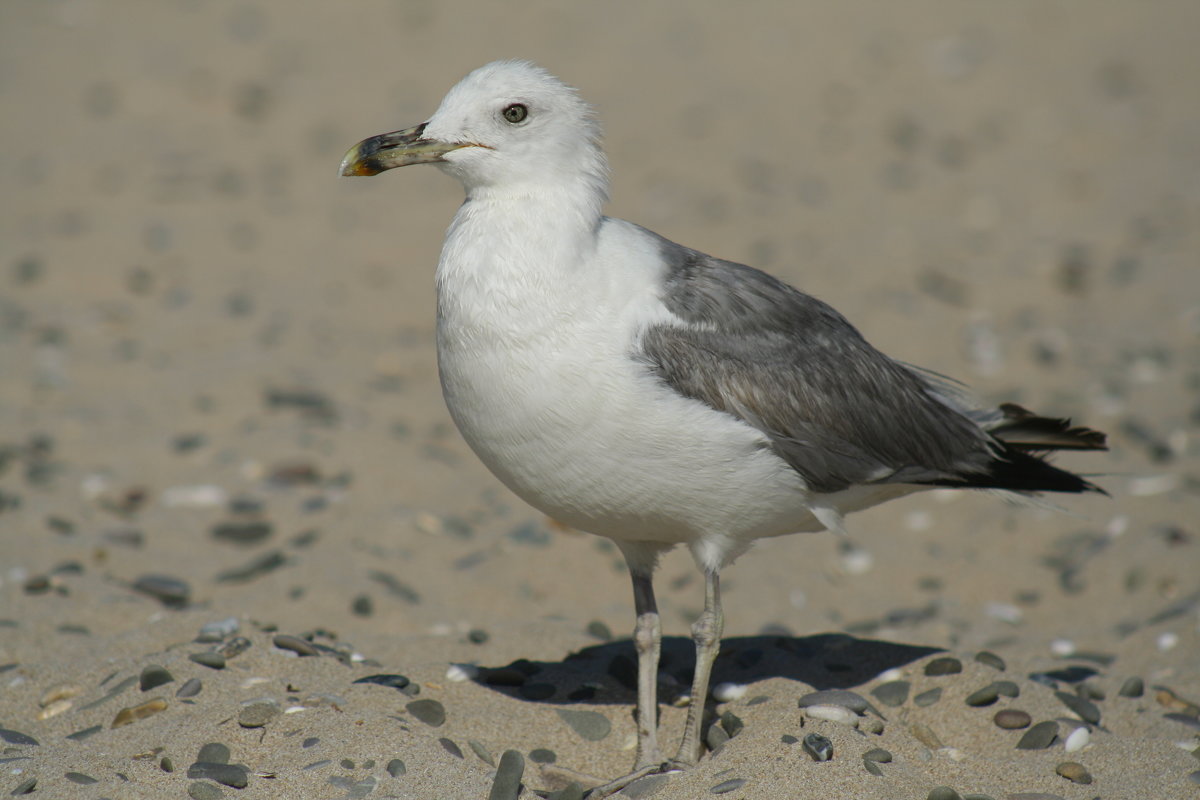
(295, 644)
(249, 532)
(543, 756)
(642, 789)
(1078, 739)
(400, 682)
(715, 738)
(431, 712)
(591, 725)
(838, 714)
(599, 630)
(199, 790)
(396, 768)
(983, 697)
(1087, 710)
(209, 658)
(1132, 687)
(892, 693)
(214, 753)
(133, 713)
(235, 647)
(481, 752)
(257, 713)
(818, 746)
(24, 787)
(537, 691)
(450, 747)
(477, 636)
(1074, 772)
(1007, 689)
(946, 665)
(925, 699)
(926, 735)
(16, 737)
(190, 688)
(154, 676)
(79, 736)
(836, 697)
(1039, 737)
(233, 775)
(169, 591)
(871, 725)
(217, 631)
(731, 785)
(166, 764)
(990, 659)
(878, 754)
(872, 767)
(80, 778)
(1012, 719)
(943, 793)
(507, 785)
(362, 606)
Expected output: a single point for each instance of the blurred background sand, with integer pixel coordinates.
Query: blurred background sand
(191, 297)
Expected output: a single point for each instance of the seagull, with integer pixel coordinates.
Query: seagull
(637, 389)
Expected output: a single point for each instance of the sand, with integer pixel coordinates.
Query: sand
(218, 367)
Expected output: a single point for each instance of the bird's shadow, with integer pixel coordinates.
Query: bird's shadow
(606, 674)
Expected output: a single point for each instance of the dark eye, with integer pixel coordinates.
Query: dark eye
(515, 113)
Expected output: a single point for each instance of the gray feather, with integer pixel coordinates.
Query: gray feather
(833, 407)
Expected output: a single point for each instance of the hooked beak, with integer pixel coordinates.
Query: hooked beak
(396, 149)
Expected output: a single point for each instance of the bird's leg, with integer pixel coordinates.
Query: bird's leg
(647, 640)
(706, 633)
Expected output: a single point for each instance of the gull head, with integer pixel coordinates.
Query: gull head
(507, 126)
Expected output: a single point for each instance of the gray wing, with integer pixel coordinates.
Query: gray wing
(834, 408)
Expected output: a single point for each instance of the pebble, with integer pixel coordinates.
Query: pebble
(1132, 687)
(209, 658)
(1087, 710)
(892, 693)
(199, 790)
(249, 532)
(295, 644)
(990, 659)
(219, 630)
(16, 737)
(926, 735)
(133, 713)
(715, 738)
(1078, 739)
(481, 752)
(431, 712)
(599, 630)
(1012, 719)
(362, 605)
(396, 768)
(154, 676)
(233, 775)
(257, 713)
(928, 698)
(836, 697)
(166, 764)
(878, 754)
(543, 755)
(80, 778)
(943, 793)
(79, 736)
(450, 747)
(234, 647)
(171, 592)
(1074, 772)
(591, 725)
(24, 787)
(1039, 737)
(190, 688)
(214, 753)
(507, 785)
(638, 790)
(728, 692)
(843, 716)
(946, 665)
(537, 691)
(730, 785)
(818, 746)
(872, 767)
(871, 725)
(400, 682)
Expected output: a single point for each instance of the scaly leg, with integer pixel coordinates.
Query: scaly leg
(706, 633)
(647, 640)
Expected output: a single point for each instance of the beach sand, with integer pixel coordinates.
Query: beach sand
(220, 410)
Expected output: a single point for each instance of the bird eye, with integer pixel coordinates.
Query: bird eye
(515, 113)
